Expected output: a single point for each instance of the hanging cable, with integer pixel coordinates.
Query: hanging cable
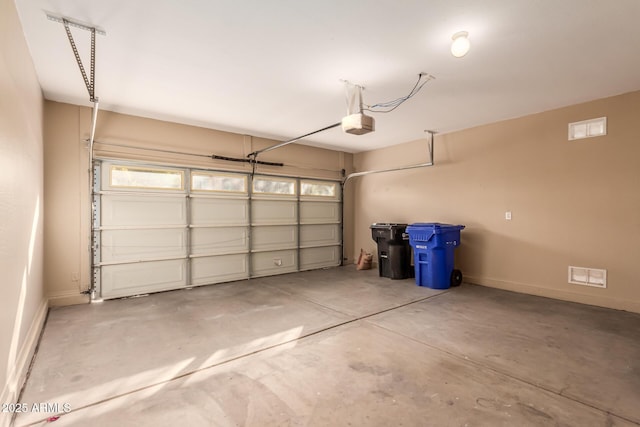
(389, 106)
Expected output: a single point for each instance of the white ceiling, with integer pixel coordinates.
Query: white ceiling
(273, 68)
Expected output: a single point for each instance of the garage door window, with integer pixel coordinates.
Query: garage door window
(318, 188)
(268, 185)
(216, 182)
(137, 177)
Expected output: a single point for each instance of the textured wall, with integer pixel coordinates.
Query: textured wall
(22, 306)
(573, 202)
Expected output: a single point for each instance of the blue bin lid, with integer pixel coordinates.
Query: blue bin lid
(434, 227)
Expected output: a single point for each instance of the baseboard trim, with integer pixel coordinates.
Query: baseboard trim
(597, 300)
(68, 299)
(18, 374)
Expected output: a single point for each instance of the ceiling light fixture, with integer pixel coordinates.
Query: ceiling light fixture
(461, 44)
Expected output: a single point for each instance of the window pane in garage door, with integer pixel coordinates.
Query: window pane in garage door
(217, 182)
(269, 185)
(318, 189)
(146, 178)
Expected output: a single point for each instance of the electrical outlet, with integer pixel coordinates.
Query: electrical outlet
(507, 215)
(277, 261)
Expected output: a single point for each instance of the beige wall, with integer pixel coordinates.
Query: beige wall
(573, 202)
(22, 306)
(66, 176)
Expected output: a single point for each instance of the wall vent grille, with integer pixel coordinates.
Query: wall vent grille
(588, 128)
(588, 276)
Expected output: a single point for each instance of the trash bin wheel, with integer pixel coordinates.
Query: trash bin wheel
(456, 278)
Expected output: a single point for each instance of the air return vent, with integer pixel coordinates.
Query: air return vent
(588, 128)
(588, 276)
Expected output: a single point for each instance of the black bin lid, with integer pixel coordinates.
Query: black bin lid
(387, 225)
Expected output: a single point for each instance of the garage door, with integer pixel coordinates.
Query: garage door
(162, 228)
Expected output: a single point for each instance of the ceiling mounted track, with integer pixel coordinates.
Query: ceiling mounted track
(255, 154)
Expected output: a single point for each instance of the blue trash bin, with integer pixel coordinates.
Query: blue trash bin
(433, 253)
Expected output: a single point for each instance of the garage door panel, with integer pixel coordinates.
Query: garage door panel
(319, 212)
(217, 269)
(319, 235)
(144, 244)
(328, 256)
(136, 210)
(142, 277)
(272, 263)
(274, 237)
(219, 211)
(274, 212)
(219, 240)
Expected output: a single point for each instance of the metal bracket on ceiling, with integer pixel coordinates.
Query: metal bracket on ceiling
(75, 23)
(88, 81)
(400, 168)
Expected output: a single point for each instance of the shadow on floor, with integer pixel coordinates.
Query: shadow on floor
(338, 347)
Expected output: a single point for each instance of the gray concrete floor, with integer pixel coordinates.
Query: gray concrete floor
(337, 347)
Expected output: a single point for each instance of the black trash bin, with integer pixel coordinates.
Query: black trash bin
(394, 251)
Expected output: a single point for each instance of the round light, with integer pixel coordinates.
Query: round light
(461, 44)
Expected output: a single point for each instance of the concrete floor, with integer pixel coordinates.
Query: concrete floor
(337, 347)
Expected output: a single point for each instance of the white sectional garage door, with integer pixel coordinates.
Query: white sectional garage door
(162, 228)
